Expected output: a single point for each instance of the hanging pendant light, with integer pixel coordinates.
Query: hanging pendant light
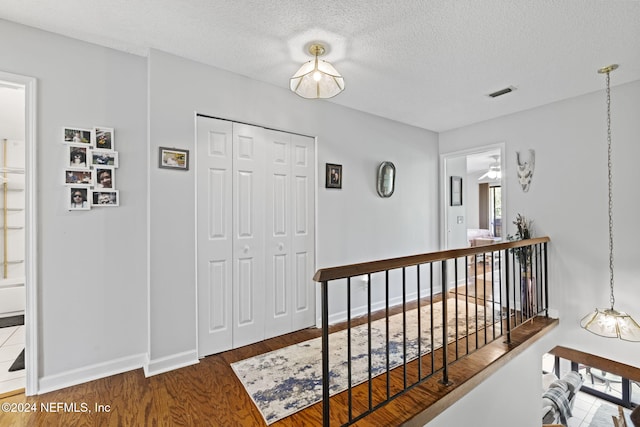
(317, 78)
(609, 322)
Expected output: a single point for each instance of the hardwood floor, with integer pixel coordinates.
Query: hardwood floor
(209, 393)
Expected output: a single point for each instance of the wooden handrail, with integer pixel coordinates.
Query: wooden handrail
(341, 272)
(625, 371)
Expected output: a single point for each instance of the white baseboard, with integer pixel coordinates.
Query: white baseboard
(554, 313)
(379, 305)
(89, 373)
(169, 363)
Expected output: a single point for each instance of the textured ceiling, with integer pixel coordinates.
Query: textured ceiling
(428, 63)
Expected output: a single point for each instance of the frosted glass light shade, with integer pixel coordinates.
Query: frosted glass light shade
(317, 79)
(611, 323)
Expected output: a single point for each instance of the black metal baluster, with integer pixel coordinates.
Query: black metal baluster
(445, 328)
(404, 328)
(349, 390)
(455, 267)
(537, 278)
(369, 337)
(506, 279)
(484, 294)
(325, 354)
(419, 324)
(466, 301)
(500, 289)
(545, 283)
(475, 281)
(386, 274)
(433, 359)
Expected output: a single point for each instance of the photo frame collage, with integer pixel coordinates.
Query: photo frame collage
(91, 163)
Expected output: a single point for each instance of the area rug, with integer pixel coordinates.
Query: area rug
(288, 380)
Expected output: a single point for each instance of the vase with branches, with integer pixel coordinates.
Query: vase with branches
(524, 255)
(524, 231)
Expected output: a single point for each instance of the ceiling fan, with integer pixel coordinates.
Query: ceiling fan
(494, 171)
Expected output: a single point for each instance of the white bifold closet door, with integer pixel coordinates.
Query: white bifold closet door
(255, 234)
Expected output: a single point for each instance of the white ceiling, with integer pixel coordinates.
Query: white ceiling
(428, 63)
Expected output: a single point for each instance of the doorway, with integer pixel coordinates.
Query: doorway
(18, 369)
(479, 215)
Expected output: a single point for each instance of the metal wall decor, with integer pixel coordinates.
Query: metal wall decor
(386, 179)
(525, 169)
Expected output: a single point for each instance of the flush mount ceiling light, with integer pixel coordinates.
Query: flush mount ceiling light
(317, 78)
(494, 171)
(609, 322)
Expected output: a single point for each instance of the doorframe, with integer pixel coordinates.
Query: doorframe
(444, 182)
(31, 230)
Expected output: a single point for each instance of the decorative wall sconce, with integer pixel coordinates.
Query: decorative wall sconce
(317, 78)
(386, 181)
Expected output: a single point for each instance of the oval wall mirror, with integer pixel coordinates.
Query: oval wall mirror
(386, 179)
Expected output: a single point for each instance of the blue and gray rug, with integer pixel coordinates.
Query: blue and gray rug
(287, 380)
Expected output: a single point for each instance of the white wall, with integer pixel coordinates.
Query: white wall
(512, 396)
(568, 202)
(353, 224)
(94, 278)
(92, 290)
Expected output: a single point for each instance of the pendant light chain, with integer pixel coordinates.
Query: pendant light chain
(609, 166)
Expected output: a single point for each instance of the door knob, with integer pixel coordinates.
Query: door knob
(280, 246)
(245, 249)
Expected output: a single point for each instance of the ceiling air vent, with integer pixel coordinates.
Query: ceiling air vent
(502, 92)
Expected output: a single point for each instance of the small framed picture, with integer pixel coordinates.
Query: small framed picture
(99, 158)
(173, 158)
(333, 176)
(105, 198)
(79, 178)
(78, 157)
(105, 178)
(104, 138)
(456, 190)
(78, 199)
(77, 136)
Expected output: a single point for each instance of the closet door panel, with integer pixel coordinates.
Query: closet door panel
(303, 231)
(278, 279)
(215, 236)
(248, 245)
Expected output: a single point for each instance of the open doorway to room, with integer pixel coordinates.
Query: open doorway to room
(473, 217)
(17, 232)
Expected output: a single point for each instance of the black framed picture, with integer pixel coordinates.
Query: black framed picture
(456, 190)
(333, 176)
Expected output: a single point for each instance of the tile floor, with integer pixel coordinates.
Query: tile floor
(11, 344)
(584, 408)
